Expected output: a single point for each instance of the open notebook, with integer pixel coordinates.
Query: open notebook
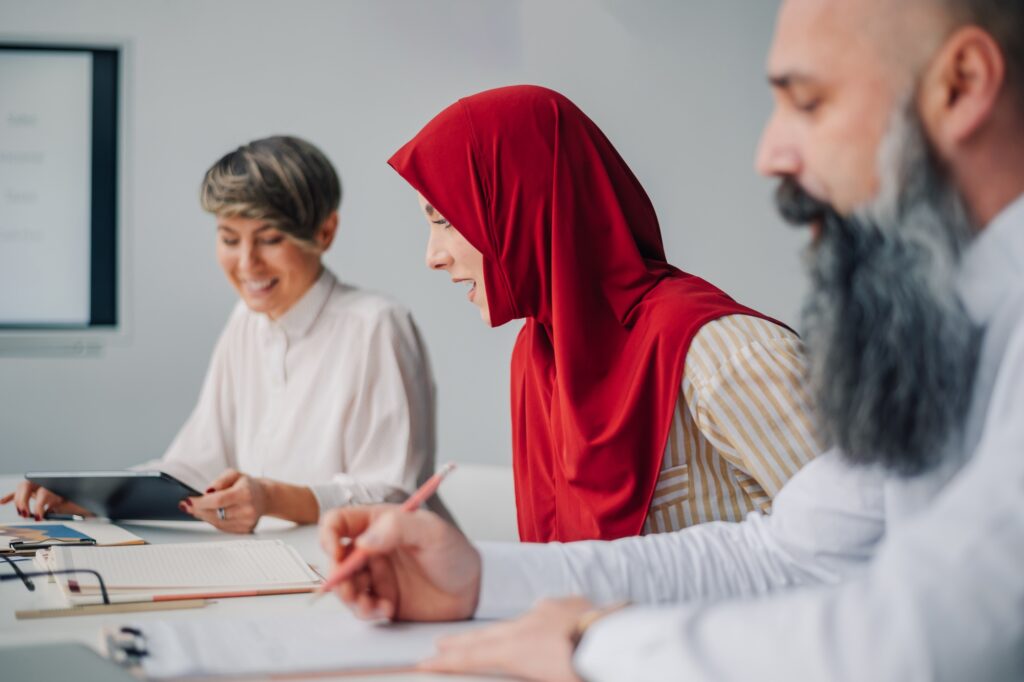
(235, 568)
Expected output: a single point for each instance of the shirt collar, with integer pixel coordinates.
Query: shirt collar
(299, 319)
(993, 263)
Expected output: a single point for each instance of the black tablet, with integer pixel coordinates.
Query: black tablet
(120, 494)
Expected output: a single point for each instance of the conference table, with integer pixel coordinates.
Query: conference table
(87, 629)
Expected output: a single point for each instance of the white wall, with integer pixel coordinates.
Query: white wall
(677, 85)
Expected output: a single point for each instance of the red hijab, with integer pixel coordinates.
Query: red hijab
(570, 242)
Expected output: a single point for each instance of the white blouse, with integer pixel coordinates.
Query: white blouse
(337, 394)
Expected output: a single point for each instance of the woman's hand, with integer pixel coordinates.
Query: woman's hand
(32, 501)
(242, 498)
(420, 568)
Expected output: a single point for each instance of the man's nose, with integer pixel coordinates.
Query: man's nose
(777, 153)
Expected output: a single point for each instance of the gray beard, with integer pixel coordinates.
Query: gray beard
(892, 350)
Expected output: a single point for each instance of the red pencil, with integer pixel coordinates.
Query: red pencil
(357, 559)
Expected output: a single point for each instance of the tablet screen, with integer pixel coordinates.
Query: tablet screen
(118, 495)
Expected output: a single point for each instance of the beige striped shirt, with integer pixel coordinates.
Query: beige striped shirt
(742, 425)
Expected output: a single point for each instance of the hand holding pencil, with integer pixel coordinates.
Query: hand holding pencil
(403, 563)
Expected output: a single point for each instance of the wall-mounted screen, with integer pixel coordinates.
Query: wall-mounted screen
(58, 187)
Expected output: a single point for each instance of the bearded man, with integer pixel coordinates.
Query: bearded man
(898, 137)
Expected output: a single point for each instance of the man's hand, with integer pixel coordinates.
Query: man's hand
(31, 501)
(536, 646)
(242, 497)
(420, 569)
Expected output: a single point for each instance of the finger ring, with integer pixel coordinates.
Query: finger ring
(221, 514)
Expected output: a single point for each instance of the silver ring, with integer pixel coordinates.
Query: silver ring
(221, 514)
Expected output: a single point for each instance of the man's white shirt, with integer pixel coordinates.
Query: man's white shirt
(896, 579)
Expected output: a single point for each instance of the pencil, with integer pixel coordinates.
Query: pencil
(357, 559)
(116, 607)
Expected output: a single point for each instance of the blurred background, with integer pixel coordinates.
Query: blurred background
(677, 85)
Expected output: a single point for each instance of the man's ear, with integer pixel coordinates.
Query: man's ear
(961, 87)
(325, 235)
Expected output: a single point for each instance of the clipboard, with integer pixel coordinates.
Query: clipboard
(298, 645)
(33, 537)
(128, 647)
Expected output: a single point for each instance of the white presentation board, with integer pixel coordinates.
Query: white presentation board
(45, 188)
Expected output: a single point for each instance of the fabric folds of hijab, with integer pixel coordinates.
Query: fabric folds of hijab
(571, 243)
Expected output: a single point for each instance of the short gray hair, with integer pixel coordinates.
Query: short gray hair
(283, 180)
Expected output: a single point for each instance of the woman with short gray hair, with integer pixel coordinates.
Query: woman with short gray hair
(318, 394)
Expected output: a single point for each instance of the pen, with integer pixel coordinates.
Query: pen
(354, 561)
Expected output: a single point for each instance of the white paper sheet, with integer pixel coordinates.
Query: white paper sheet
(302, 640)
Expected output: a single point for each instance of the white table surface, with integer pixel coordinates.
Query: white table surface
(86, 629)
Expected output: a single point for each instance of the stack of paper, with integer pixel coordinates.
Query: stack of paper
(194, 570)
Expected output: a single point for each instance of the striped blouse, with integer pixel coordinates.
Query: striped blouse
(742, 425)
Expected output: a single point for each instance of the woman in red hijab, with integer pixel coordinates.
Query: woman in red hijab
(613, 435)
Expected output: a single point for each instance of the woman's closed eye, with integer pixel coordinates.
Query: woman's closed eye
(442, 222)
(267, 241)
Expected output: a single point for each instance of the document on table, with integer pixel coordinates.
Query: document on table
(186, 570)
(299, 641)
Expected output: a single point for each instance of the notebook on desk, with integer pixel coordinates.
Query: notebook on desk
(234, 568)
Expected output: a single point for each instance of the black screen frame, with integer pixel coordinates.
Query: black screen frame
(104, 284)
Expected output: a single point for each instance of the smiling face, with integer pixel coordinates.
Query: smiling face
(449, 251)
(270, 270)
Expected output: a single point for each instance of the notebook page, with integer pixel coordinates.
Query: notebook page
(239, 564)
(306, 641)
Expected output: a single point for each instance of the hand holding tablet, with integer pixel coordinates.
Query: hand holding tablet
(118, 495)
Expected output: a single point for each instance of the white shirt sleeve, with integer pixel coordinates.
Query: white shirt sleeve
(943, 599)
(389, 437)
(825, 525)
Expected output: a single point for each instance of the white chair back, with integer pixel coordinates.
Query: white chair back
(482, 499)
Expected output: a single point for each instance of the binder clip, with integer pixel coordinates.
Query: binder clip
(126, 646)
